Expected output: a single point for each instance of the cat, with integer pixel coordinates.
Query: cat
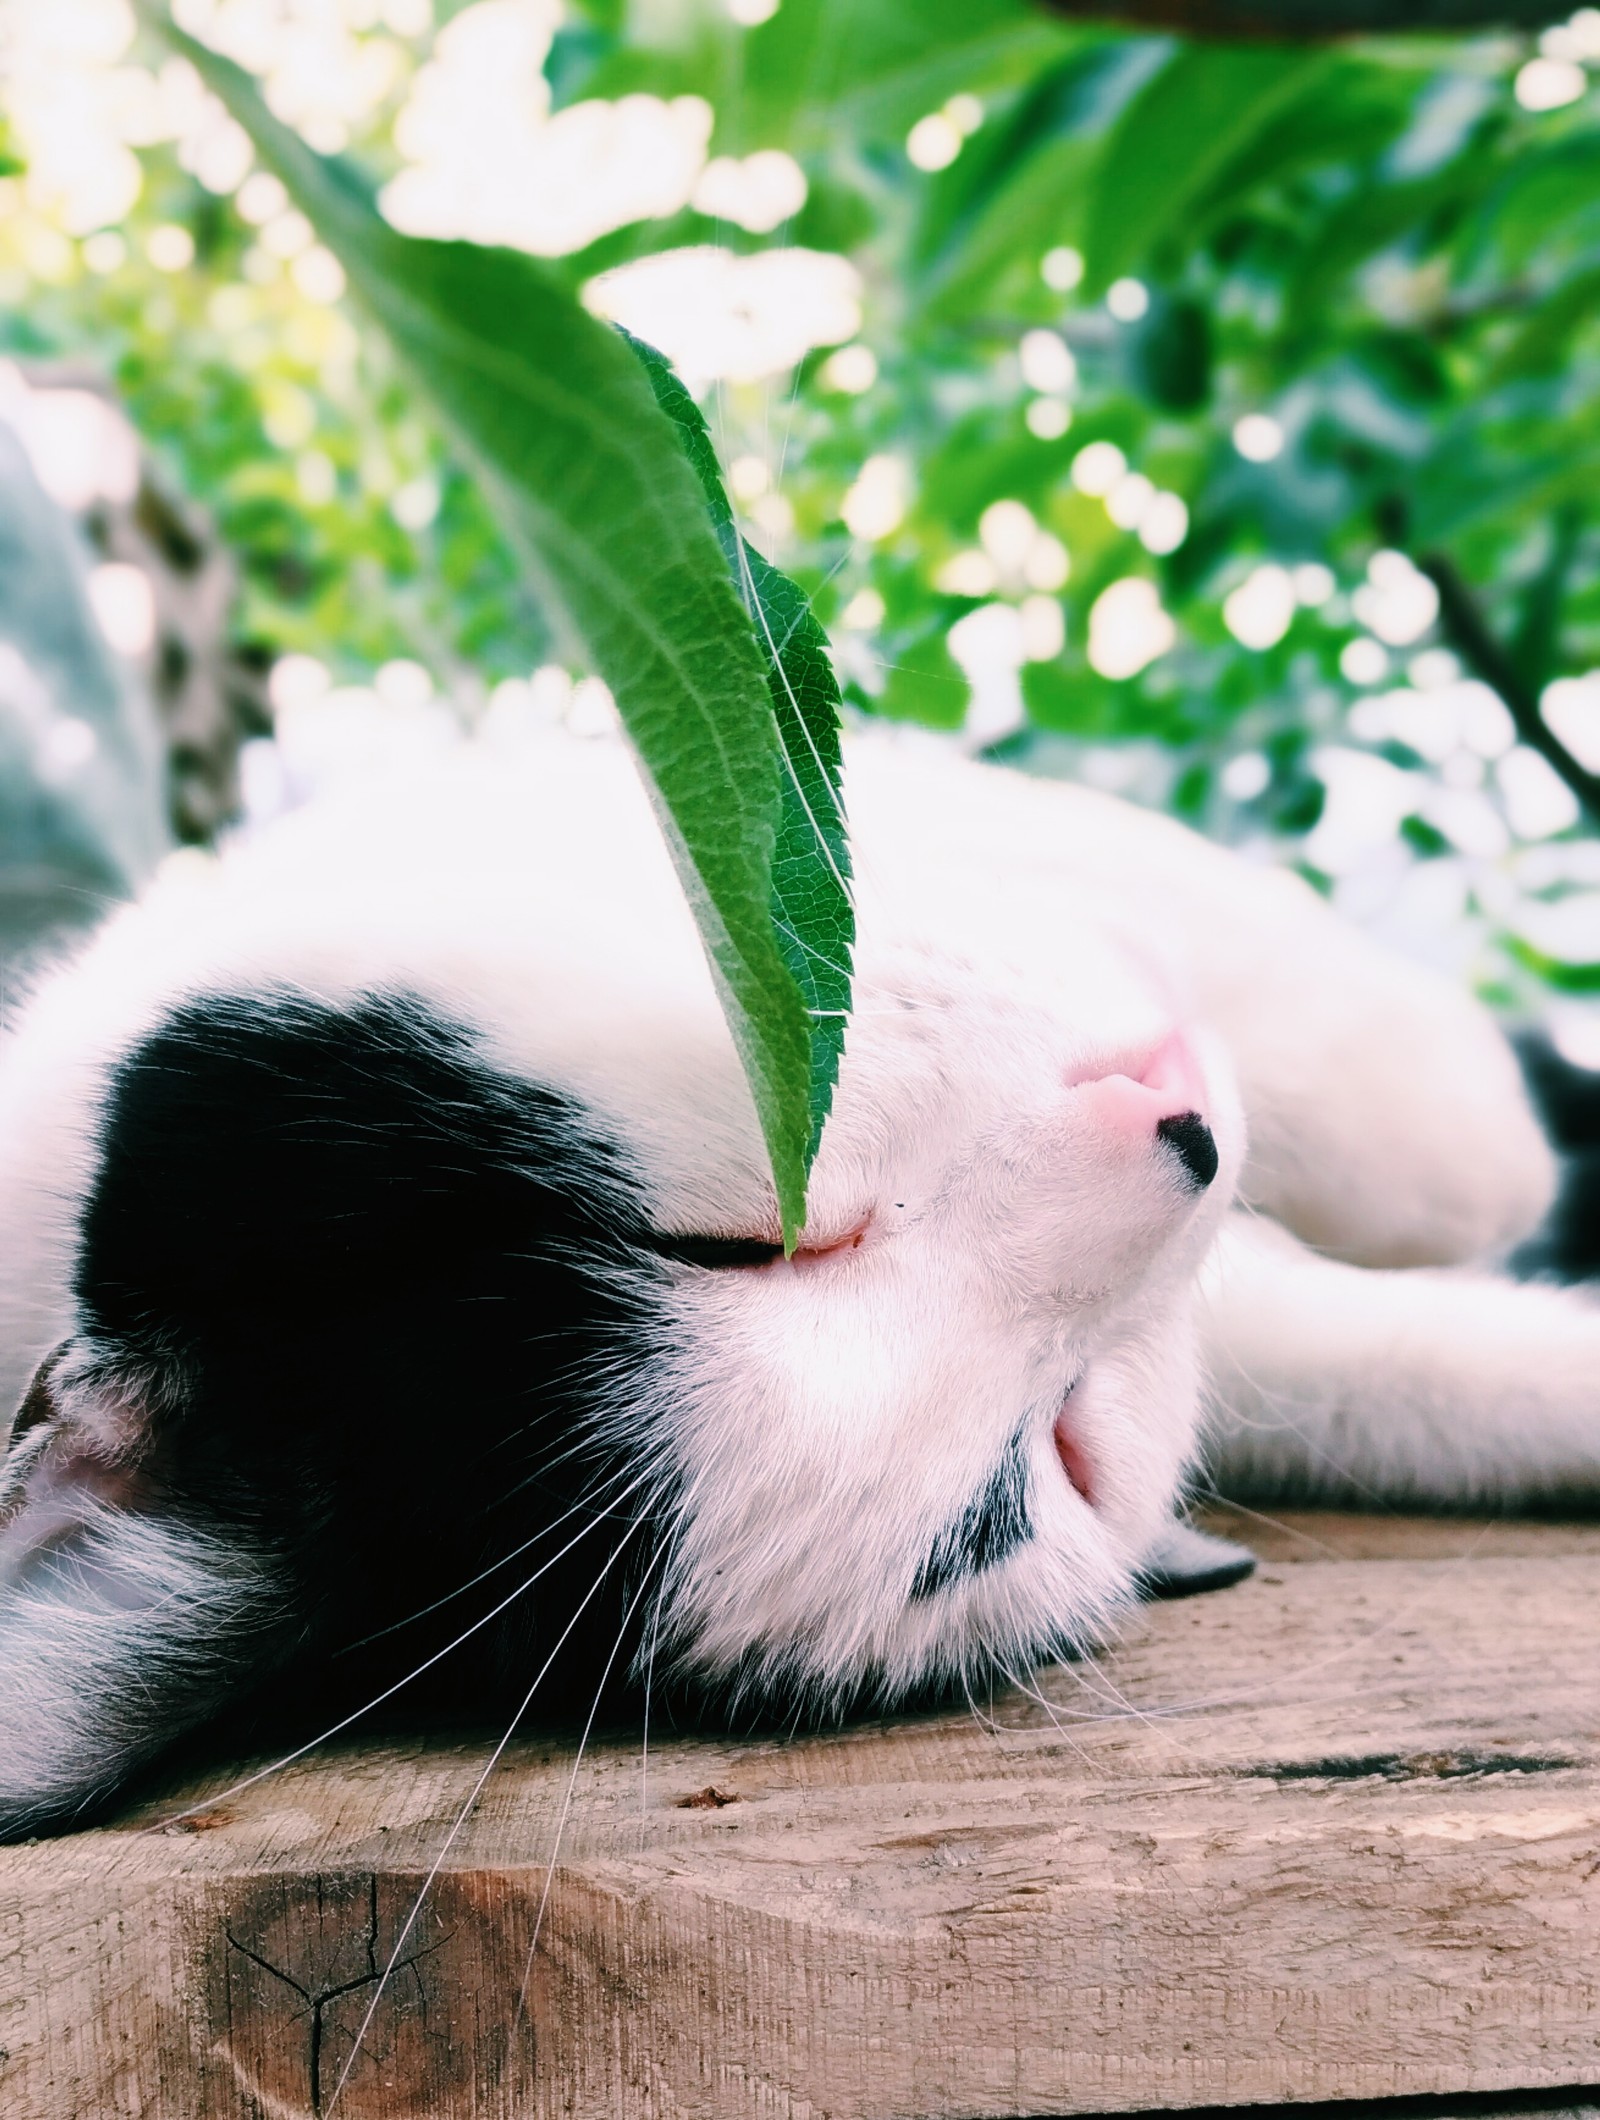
(393, 1294)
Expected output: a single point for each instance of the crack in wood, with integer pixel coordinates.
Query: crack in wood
(1410, 1766)
(317, 2000)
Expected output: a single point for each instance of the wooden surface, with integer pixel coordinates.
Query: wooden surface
(1332, 1834)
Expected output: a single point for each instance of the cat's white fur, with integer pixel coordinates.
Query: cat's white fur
(1024, 947)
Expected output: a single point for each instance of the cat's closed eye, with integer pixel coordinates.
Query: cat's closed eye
(719, 1252)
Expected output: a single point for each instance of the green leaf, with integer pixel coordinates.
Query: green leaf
(1541, 344)
(1177, 135)
(556, 419)
(814, 70)
(1345, 111)
(811, 905)
(1017, 189)
(1544, 201)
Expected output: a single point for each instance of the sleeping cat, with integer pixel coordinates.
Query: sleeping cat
(392, 1284)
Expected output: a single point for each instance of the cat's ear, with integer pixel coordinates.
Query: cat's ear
(125, 1613)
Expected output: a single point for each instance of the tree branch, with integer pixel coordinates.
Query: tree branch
(1290, 20)
(1467, 631)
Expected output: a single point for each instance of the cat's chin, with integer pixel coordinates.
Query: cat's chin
(977, 1563)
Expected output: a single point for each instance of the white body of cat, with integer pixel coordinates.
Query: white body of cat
(1143, 1167)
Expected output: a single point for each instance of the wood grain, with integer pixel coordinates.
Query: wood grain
(1332, 1834)
(1342, 1535)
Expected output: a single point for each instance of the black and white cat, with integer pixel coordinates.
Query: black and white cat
(389, 1261)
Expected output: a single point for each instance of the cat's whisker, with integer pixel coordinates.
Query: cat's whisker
(1125, 1710)
(1088, 1673)
(1207, 1490)
(650, 1670)
(1087, 1757)
(466, 1812)
(618, 1481)
(1300, 1673)
(288, 1759)
(572, 1783)
(1034, 1693)
(794, 393)
(986, 1723)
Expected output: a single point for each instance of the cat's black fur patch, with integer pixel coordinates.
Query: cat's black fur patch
(383, 1289)
(1567, 1098)
(993, 1524)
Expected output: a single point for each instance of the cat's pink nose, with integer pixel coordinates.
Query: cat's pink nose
(1164, 1100)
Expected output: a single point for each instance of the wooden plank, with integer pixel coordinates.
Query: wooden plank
(1497, 2105)
(1332, 1834)
(1342, 1535)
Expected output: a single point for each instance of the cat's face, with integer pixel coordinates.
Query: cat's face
(945, 1433)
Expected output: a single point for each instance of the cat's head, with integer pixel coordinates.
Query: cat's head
(944, 1434)
(404, 1279)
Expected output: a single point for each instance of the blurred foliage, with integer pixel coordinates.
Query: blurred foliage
(1372, 247)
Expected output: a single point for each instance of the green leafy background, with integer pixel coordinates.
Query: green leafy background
(1377, 245)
